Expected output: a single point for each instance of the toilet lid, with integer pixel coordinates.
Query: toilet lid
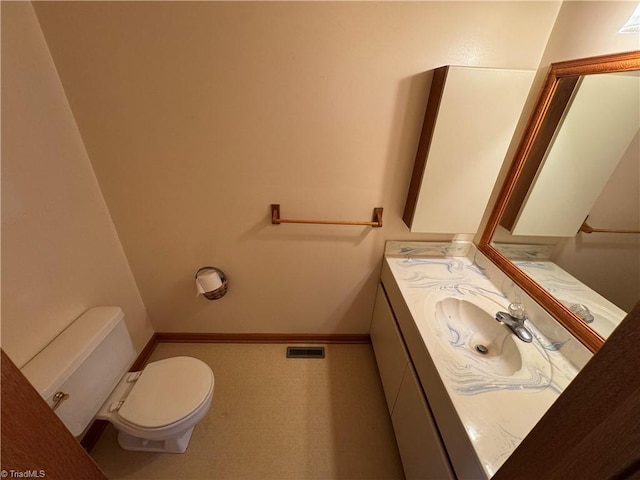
(167, 391)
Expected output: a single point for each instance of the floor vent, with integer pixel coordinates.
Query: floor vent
(305, 352)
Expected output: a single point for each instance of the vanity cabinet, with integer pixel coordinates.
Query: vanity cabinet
(423, 455)
(421, 450)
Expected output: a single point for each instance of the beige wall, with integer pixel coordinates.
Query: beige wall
(198, 116)
(60, 251)
(586, 29)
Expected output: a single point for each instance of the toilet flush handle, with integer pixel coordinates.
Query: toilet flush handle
(58, 398)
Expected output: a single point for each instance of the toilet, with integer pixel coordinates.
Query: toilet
(83, 375)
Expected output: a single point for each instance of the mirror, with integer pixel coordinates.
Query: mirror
(547, 195)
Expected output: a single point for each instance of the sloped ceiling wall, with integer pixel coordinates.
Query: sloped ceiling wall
(60, 251)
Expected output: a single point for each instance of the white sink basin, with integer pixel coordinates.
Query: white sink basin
(481, 354)
(476, 334)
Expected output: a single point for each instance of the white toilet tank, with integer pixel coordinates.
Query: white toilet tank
(86, 361)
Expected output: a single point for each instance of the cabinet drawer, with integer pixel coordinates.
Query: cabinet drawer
(389, 348)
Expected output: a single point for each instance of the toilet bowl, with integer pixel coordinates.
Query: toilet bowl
(83, 375)
(156, 409)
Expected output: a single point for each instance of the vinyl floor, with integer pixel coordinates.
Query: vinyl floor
(275, 418)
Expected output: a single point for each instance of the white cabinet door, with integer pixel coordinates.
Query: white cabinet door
(388, 347)
(471, 116)
(421, 450)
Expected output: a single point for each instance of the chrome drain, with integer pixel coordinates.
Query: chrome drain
(482, 349)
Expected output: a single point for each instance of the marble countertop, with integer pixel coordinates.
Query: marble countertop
(496, 410)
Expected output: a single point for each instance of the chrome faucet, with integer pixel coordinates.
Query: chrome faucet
(515, 321)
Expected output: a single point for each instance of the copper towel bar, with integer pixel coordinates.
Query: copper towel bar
(276, 220)
(587, 229)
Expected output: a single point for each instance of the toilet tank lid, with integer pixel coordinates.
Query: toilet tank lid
(50, 368)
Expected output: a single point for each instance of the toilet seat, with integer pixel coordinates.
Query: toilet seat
(166, 392)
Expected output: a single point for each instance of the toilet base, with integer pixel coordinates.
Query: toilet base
(171, 445)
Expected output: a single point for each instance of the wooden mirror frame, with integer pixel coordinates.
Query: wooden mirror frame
(556, 92)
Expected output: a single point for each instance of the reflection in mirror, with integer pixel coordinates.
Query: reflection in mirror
(593, 137)
(592, 165)
(579, 158)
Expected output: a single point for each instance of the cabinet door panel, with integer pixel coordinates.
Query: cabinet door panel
(389, 348)
(471, 116)
(421, 450)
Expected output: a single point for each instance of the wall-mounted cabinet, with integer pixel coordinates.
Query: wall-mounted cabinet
(469, 122)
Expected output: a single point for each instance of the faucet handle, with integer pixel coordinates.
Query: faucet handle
(582, 311)
(518, 311)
